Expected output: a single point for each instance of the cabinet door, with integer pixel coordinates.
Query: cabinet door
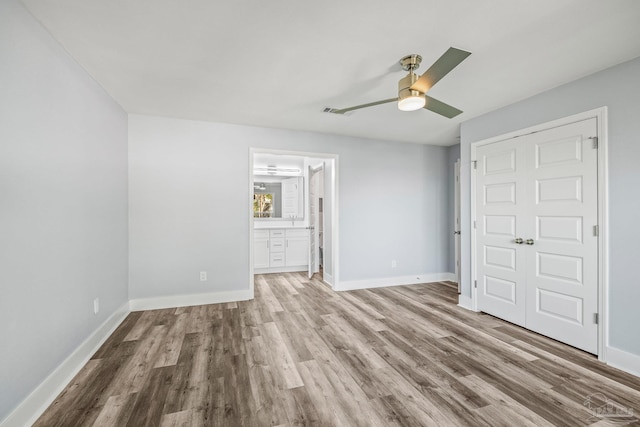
(296, 251)
(260, 252)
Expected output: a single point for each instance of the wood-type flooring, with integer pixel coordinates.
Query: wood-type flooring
(301, 354)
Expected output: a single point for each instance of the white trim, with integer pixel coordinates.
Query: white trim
(251, 225)
(472, 232)
(293, 269)
(600, 114)
(603, 225)
(623, 360)
(335, 246)
(30, 409)
(465, 302)
(327, 278)
(171, 301)
(334, 211)
(394, 281)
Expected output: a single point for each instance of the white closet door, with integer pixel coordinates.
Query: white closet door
(562, 255)
(500, 207)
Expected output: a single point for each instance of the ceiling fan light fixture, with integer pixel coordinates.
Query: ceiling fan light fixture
(412, 102)
(408, 99)
(412, 89)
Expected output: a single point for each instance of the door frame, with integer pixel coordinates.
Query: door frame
(457, 244)
(315, 231)
(335, 258)
(600, 114)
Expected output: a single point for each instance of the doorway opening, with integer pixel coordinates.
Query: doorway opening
(293, 224)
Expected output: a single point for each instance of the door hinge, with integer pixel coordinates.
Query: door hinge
(475, 164)
(594, 139)
(595, 318)
(596, 230)
(475, 283)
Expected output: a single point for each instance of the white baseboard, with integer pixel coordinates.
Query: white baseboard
(293, 269)
(156, 303)
(30, 409)
(465, 302)
(623, 360)
(349, 285)
(327, 278)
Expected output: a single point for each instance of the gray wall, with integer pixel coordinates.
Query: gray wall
(189, 204)
(453, 154)
(618, 88)
(63, 205)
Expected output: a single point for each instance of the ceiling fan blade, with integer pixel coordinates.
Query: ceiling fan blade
(441, 108)
(357, 107)
(447, 62)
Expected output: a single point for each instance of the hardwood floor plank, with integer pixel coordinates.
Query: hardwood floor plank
(302, 354)
(116, 411)
(294, 337)
(146, 320)
(182, 389)
(280, 359)
(135, 372)
(267, 296)
(67, 398)
(178, 419)
(147, 410)
(299, 407)
(324, 396)
(118, 335)
(170, 350)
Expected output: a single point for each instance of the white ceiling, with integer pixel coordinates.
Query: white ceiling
(278, 63)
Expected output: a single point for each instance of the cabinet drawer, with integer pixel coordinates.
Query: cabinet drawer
(277, 233)
(276, 244)
(277, 259)
(297, 232)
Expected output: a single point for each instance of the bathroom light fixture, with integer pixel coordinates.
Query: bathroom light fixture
(273, 170)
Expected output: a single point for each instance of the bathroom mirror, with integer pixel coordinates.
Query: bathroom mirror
(278, 197)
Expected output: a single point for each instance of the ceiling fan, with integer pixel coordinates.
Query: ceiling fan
(412, 89)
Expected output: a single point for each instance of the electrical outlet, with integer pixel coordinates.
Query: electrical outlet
(394, 264)
(96, 305)
(203, 276)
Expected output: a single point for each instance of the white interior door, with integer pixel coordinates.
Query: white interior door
(313, 220)
(500, 209)
(537, 244)
(562, 250)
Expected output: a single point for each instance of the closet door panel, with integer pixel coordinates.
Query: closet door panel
(562, 274)
(500, 266)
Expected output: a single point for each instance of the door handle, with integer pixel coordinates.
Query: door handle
(529, 242)
(456, 232)
(518, 241)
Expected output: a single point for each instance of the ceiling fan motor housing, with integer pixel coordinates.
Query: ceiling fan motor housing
(409, 63)
(405, 84)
